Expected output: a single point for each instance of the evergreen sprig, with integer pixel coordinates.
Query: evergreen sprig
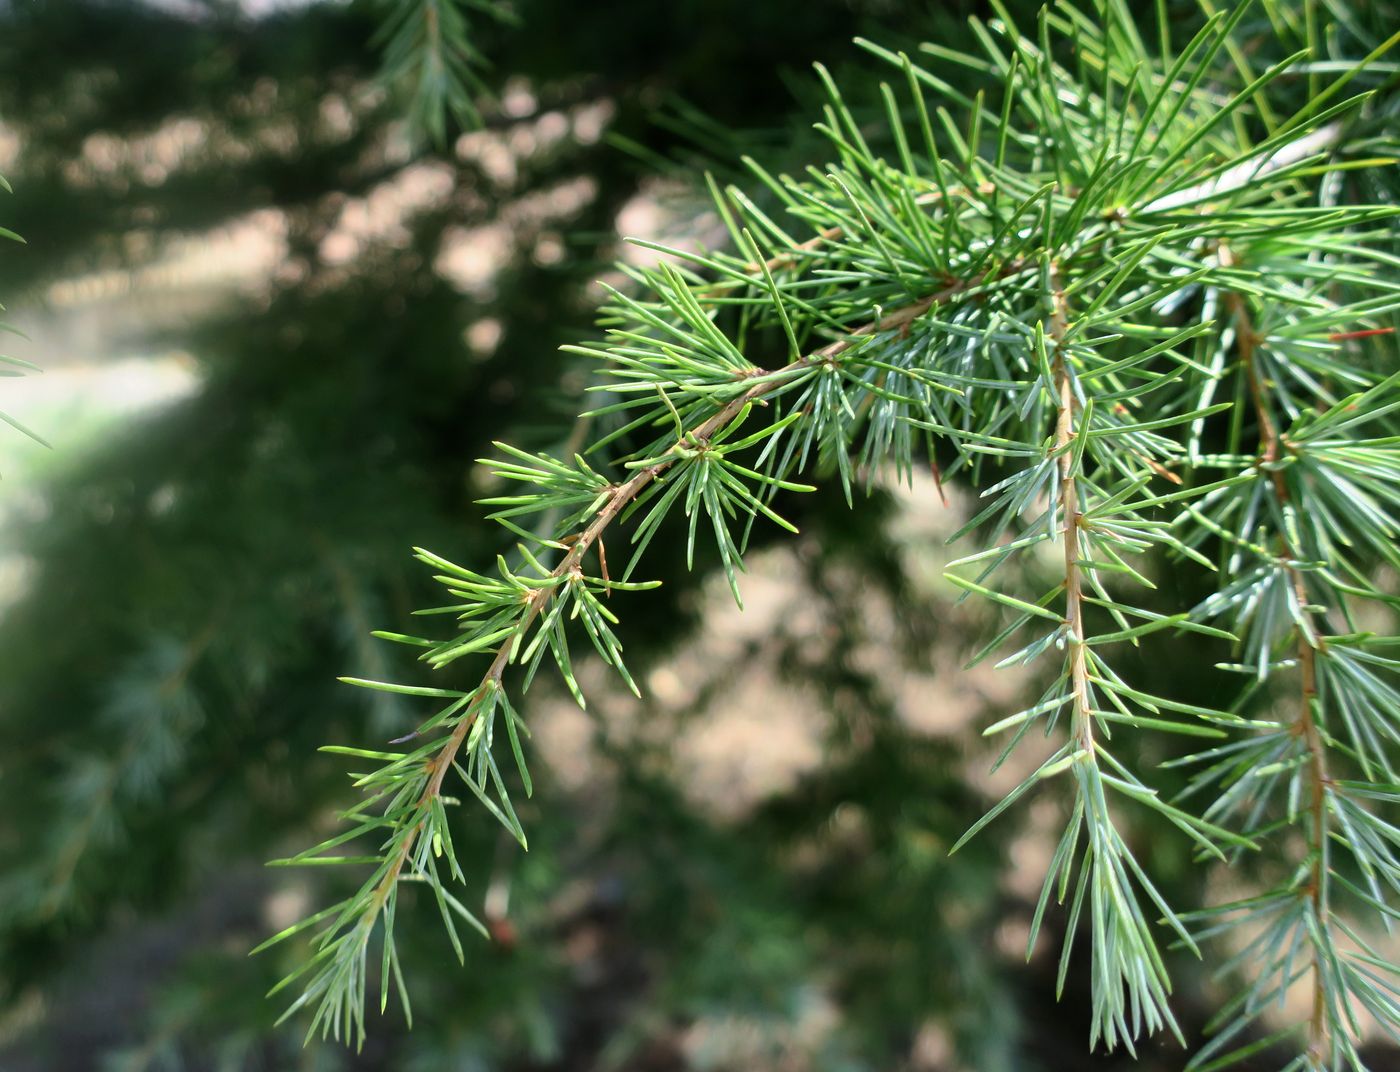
(1130, 300)
(428, 49)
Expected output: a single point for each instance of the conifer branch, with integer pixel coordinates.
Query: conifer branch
(342, 1009)
(1282, 483)
(1308, 643)
(915, 313)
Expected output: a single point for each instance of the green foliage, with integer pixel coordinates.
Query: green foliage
(187, 590)
(1134, 302)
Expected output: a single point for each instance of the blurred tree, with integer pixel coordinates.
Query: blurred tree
(197, 580)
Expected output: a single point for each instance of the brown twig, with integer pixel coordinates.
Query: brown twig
(1065, 432)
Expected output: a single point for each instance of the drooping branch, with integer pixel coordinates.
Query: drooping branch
(581, 542)
(1309, 643)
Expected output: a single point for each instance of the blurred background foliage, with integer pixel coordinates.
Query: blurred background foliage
(278, 329)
